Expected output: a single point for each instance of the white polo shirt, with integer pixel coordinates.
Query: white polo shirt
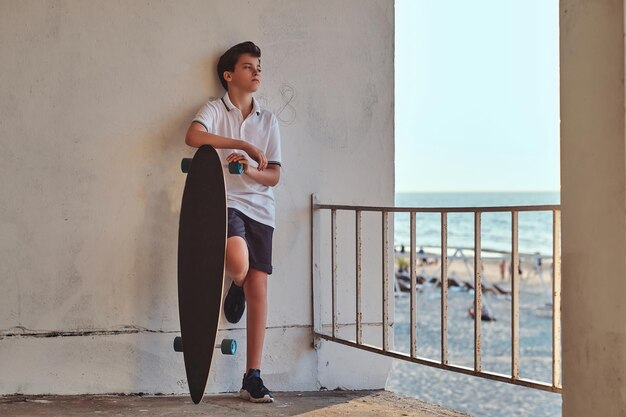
(260, 128)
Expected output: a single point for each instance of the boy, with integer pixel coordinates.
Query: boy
(243, 132)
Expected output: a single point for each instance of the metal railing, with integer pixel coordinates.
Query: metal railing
(443, 362)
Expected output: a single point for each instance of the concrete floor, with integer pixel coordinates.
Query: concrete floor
(320, 404)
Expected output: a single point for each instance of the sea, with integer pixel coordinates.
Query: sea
(477, 396)
(535, 228)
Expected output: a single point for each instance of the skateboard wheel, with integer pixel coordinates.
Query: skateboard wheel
(229, 346)
(185, 164)
(178, 344)
(235, 168)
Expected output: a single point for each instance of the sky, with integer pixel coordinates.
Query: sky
(477, 95)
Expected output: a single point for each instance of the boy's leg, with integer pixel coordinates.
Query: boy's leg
(249, 262)
(237, 259)
(237, 266)
(255, 290)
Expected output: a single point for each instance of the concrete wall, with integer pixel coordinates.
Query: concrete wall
(95, 99)
(593, 199)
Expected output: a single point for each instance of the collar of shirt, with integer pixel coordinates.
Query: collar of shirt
(230, 106)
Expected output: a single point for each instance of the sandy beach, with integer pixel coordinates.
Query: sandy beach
(461, 266)
(477, 396)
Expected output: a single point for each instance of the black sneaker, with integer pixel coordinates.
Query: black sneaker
(234, 304)
(253, 390)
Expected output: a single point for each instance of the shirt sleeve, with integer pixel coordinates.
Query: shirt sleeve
(273, 145)
(207, 117)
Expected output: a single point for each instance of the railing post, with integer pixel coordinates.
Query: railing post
(514, 296)
(444, 288)
(477, 292)
(385, 231)
(359, 315)
(556, 298)
(333, 227)
(413, 272)
(316, 301)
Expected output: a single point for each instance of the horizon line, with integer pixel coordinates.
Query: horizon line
(477, 191)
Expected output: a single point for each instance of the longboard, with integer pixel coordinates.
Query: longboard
(201, 254)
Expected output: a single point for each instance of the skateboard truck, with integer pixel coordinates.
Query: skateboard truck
(233, 167)
(228, 346)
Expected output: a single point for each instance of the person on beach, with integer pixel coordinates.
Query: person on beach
(502, 269)
(538, 266)
(242, 131)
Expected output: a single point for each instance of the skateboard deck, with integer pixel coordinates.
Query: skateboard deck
(201, 255)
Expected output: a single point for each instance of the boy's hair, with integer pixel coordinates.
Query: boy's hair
(228, 61)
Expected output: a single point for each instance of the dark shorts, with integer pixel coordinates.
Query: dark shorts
(257, 235)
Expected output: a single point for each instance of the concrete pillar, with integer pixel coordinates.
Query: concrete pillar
(593, 198)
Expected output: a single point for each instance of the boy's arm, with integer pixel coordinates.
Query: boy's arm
(269, 176)
(198, 136)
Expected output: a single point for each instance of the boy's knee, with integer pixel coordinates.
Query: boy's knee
(237, 260)
(237, 271)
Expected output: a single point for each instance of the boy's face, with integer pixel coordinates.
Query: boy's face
(246, 75)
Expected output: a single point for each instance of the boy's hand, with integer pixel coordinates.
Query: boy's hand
(268, 177)
(238, 157)
(256, 154)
